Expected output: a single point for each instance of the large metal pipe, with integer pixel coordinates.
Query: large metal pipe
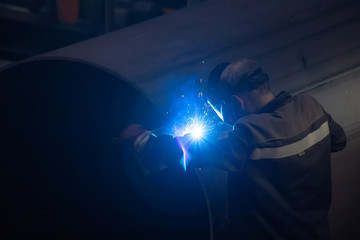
(157, 56)
(62, 176)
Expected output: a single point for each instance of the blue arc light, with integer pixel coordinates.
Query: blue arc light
(194, 131)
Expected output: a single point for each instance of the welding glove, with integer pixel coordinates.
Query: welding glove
(135, 136)
(152, 153)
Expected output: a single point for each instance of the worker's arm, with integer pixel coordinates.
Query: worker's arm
(337, 134)
(152, 153)
(160, 152)
(227, 151)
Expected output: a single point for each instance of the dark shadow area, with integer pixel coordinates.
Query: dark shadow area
(61, 175)
(344, 215)
(32, 27)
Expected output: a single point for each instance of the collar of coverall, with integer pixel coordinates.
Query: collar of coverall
(278, 101)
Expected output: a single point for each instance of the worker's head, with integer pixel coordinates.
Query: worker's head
(242, 87)
(214, 80)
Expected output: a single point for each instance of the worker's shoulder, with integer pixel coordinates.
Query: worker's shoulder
(251, 121)
(307, 104)
(296, 109)
(307, 99)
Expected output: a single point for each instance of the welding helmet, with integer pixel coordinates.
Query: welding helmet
(228, 80)
(214, 96)
(220, 98)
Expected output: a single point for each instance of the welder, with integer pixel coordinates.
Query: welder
(277, 155)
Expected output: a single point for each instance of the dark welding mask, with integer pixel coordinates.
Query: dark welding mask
(213, 95)
(227, 109)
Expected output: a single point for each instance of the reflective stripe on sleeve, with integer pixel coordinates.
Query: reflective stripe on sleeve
(294, 148)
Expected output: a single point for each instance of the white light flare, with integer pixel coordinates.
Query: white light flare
(197, 131)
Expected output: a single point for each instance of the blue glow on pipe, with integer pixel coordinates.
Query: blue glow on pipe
(184, 158)
(184, 144)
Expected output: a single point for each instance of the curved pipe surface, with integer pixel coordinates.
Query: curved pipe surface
(160, 55)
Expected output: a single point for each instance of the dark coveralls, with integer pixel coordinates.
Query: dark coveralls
(279, 183)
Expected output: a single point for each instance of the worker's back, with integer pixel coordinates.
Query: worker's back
(284, 188)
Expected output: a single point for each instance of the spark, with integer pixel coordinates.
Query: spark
(194, 121)
(194, 126)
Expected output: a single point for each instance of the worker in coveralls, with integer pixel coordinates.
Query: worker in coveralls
(277, 156)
